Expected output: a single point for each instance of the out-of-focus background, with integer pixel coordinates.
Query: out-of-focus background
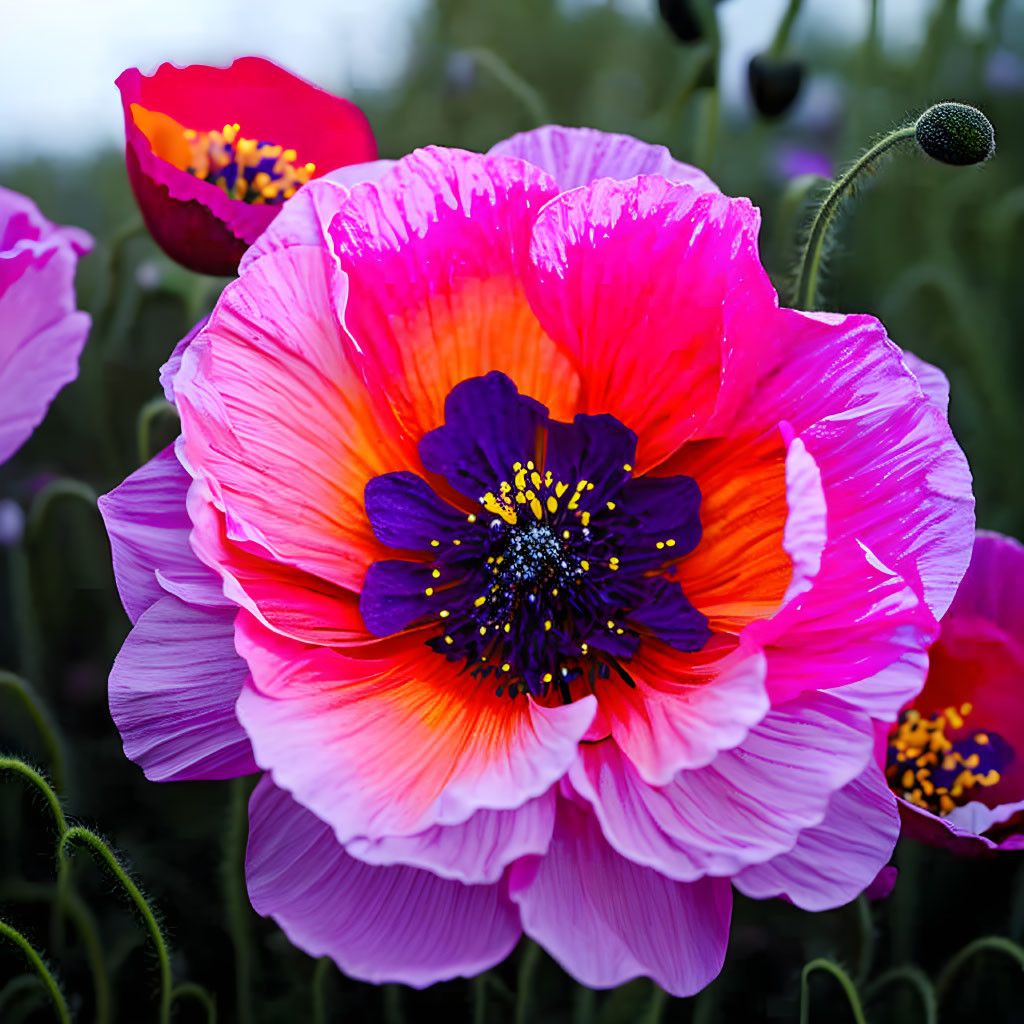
(935, 251)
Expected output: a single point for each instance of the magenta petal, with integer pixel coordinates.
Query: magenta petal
(173, 690)
(478, 850)
(991, 588)
(747, 806)
(835, 861)
(173, 364)
(606, 919)
(380, 924)
(578, 156)
(933, 381)
(149, 532)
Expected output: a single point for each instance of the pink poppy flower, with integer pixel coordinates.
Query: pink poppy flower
(954, 758)
(41, 331)
(212, 153)
(566, 571)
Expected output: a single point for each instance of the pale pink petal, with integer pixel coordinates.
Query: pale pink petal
(835, 861)
(578, 156)
(478, 850)
(149, 528)
(170, 369)
(612, 266)
(933, 381)
(379, 924)
(173, 690)
(606, 919)
(747, 806)
(393, 744)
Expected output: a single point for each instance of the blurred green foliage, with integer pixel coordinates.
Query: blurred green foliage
(934, 251)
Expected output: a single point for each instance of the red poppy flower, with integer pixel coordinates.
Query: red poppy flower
(212, 153)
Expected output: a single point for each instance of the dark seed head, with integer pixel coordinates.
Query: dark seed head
(683, 19)
(774, 84)
(955, 133)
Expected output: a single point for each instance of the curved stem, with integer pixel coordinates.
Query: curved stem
(101, 850)
(320, 972)
(530, 97)
(26, 771)
(54, 491)
(778, 45)
(821, 964)
(995, 943)
(866, 953)
(918, 980)
(235, 895)
(45, 726)
(190, 990)
(148, 414)
(807, 275)
(59, 1003)
(524, 983)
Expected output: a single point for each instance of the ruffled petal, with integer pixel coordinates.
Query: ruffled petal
(682, 711)
(476, 851)
(612, 265)
(379, 924)
(173, 690)
(434, 251)
(578, 156)
(745, 807)
(606, 919)
(394, 744)
(991, 589)
(835, 861)
(149, 528)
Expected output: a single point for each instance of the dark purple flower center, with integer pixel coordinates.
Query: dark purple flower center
(933, 765)
(563, 569)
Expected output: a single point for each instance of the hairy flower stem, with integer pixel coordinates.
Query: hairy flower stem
(45, 725)
(59, 1003)
(989, 943)
(100, 849)
(807, 276)
(821, 964)
(235, 895)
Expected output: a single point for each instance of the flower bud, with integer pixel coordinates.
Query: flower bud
(955, 133)
(684, 21)
(774, 83)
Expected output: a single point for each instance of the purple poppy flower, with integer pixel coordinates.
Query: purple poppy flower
(41, 331)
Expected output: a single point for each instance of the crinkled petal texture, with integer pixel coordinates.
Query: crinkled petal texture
(978, 661)
(42, 332)
(416, 817)
(195, 222)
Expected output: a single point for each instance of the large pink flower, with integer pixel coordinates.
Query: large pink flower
(955, 758)
(565, 570)
(41, 331)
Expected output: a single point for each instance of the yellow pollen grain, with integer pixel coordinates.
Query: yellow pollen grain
(590, 486)
(610, 624)
(981, 737)
(585, 518)
(537, 508)
(585, 565)
(435, 543)
(552, 504)
(584, 648)
(670, 543)
(548, 478)
(554, 591)
(471, 518)
(627, 467)
(619, 631)
(560, 489)
(966, 708)
(566, 534)
(506, 667)
(535, 478)
(547, 625)
(448, 640)
(530, 465)
(429, 591)
(908, 779)
(508, 627)
(517, 466)
(953, 716)
(483, 631)
(660, 545)
(436, 574)
(546, 678)
(610, 505)
(456, 542)
(480, 601)
(445, 613)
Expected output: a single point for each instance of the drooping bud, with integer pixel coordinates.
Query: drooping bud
(774, 83)
(681, 17)
(955, 133)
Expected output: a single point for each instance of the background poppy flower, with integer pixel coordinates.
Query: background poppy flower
(553, 574)
(212, 153)
(956, 758)
(41, 331)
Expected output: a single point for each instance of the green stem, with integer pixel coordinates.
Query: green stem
(785, 26)
(807, 276)
(707, 129)
(994, 943)
(528, 963)
(393, 1013)
(655, 1008)
(918, 980)
(44, 500)
(479, 985)
(530, 97)
(100, 849)
(320, 972)
(45, 726)
(190, 990)
(40, 968)
(85, 925)
(148, 414)
(866, 953)
(821, 964)
(235, 897)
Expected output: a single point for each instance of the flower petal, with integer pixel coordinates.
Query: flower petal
(745, 807)
(606, 919)
(394, 744)
(379, 924)
(835, 861)
(173, 689)
(578, 156)
(477, 851)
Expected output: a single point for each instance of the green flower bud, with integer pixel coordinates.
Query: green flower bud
(955, 133)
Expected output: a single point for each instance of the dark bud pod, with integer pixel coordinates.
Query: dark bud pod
(774, 84)
(683, 19)
(955, 134)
